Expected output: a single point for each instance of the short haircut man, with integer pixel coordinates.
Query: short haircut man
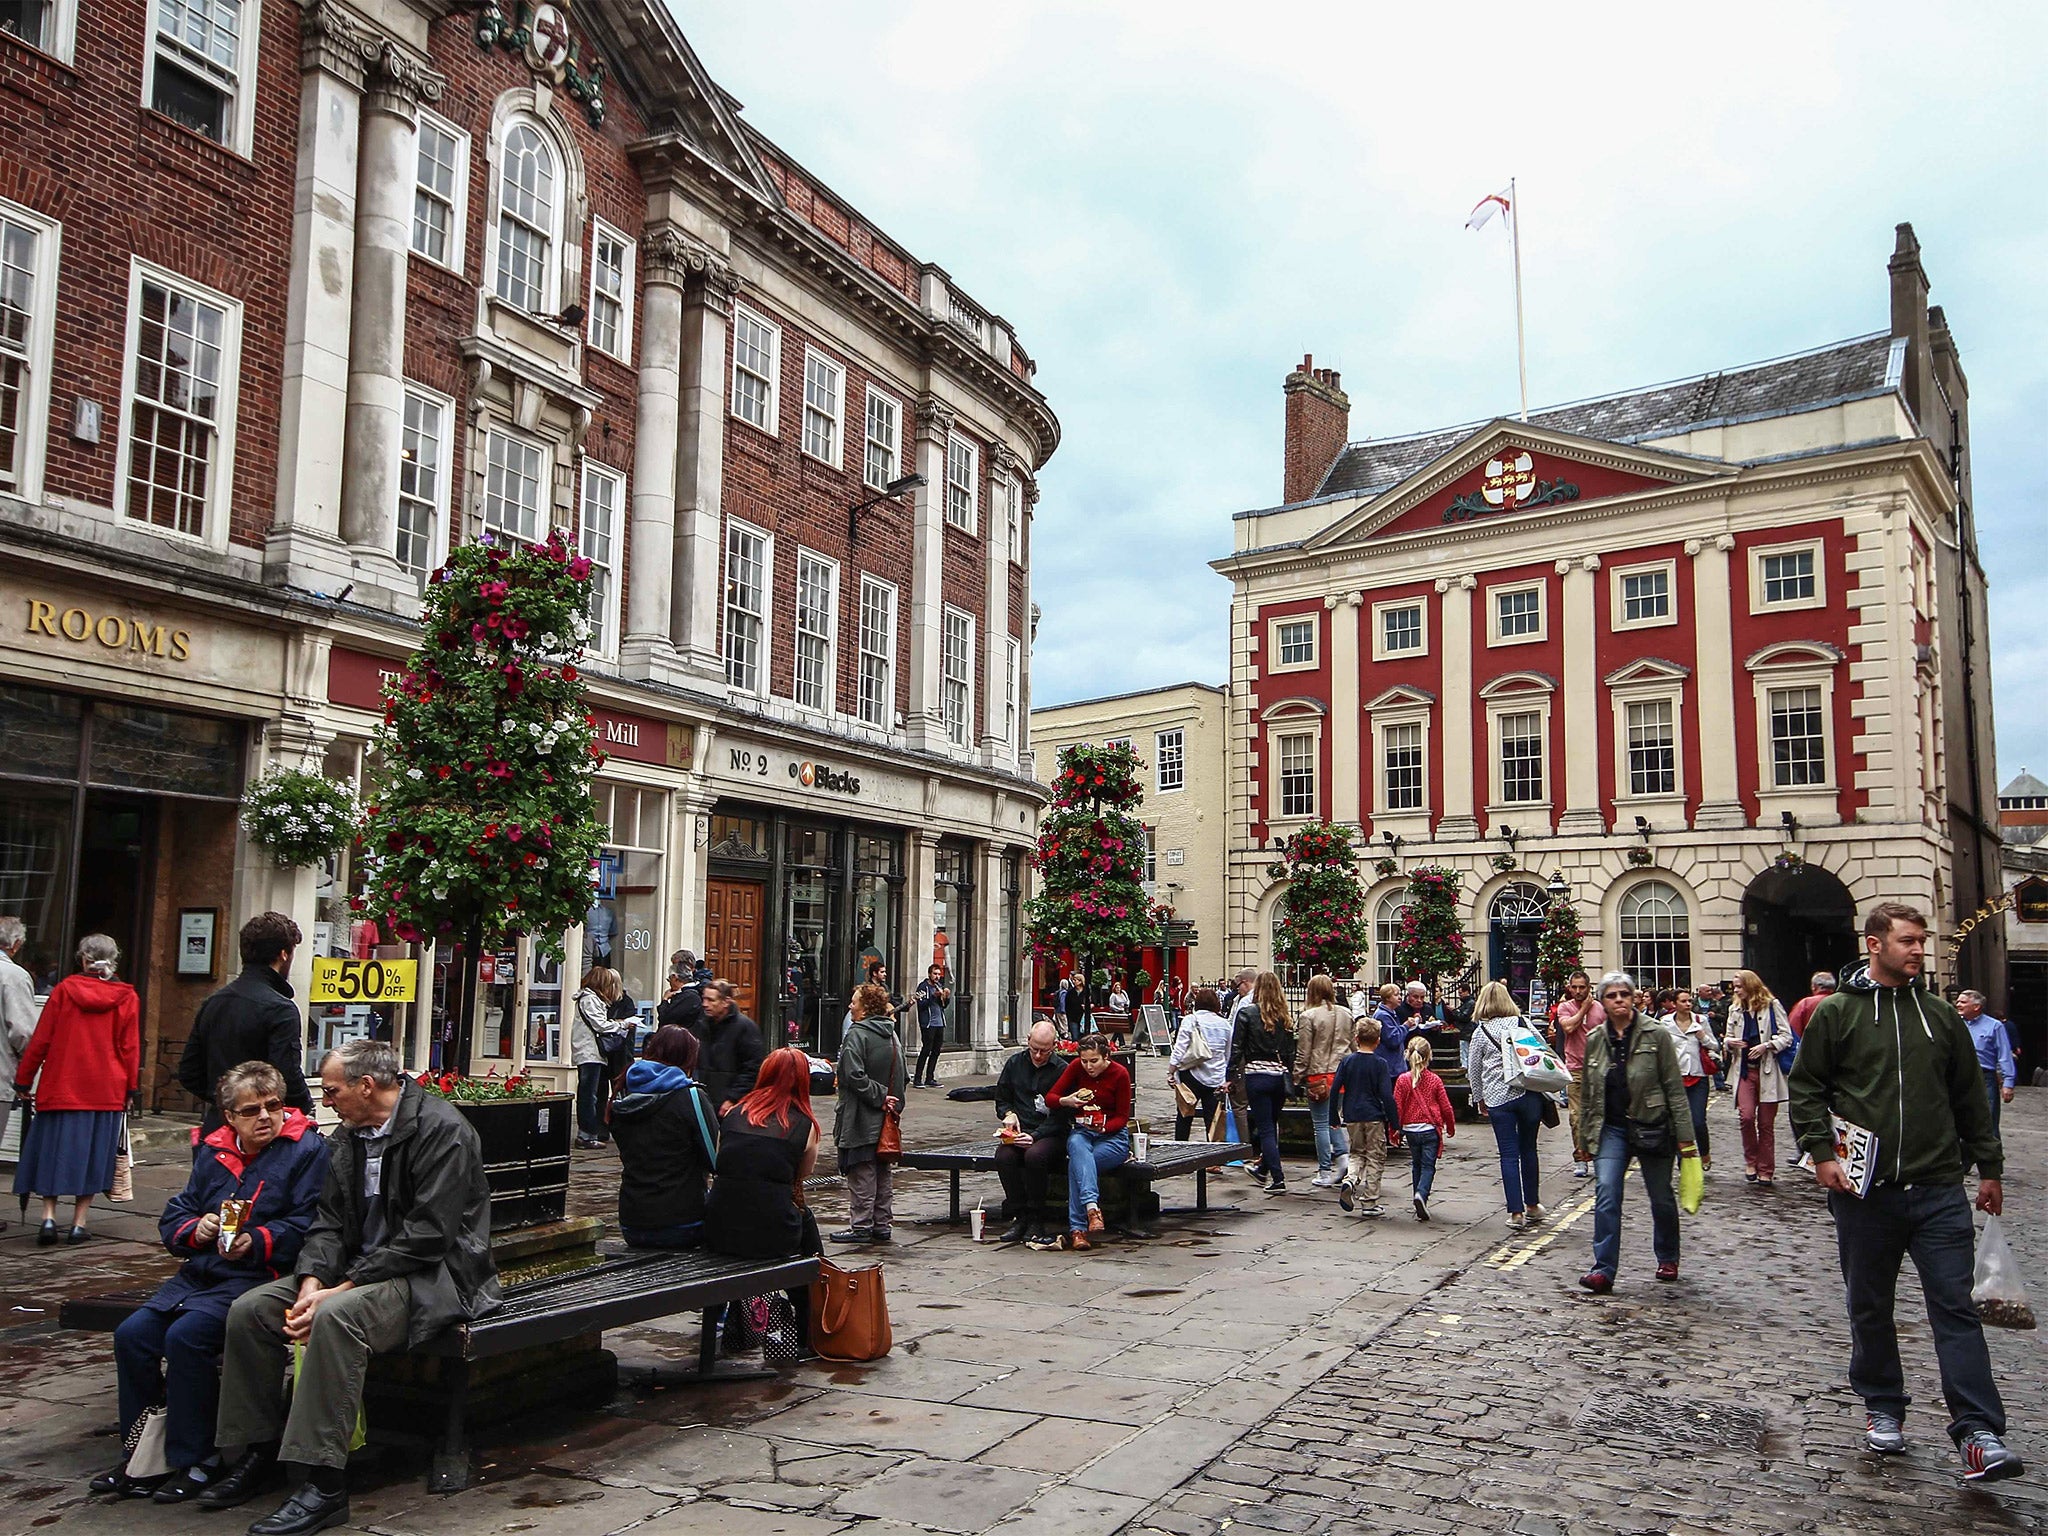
(253, 1018)
(269, 937)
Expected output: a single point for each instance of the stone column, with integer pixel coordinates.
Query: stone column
(1460, 821)
(648, 650)
(1714, 663)
(927, 722)
(1345, 763)
(700, 464)
(920, 920)
(996, 751)
(387, 169)
(985, 1027)
(1581, 702)
(305, 546)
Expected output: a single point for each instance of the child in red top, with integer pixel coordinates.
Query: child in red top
(1096, 1091)
(1424, 1112)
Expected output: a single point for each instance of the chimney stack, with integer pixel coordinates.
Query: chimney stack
(1909, 319)
(1318, 427)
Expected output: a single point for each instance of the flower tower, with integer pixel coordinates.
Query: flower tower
(1091, 862)
(481, 825)
(1432, 941)
(1560, 946)
(1322, 912)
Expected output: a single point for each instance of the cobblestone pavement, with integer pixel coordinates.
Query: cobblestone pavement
(1510, 1400)
(1271, 1365)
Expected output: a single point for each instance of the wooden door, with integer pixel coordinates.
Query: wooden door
(732, 937)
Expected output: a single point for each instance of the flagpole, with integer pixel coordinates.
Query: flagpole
(1515, 242)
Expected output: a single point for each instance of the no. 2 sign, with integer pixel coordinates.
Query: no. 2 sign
(365, 981)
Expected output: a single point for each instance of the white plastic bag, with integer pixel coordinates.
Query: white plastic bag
(2000, 1294)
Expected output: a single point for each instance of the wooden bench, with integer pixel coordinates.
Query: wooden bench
(1165, 1160)
(554, 1312)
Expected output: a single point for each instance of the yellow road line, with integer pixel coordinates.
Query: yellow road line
(1516, 1252)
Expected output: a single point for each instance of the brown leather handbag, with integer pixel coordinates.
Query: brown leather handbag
(849, 1314)
(890, 1147)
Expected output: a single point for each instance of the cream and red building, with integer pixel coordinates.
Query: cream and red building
(297, 294)
(1711, 650)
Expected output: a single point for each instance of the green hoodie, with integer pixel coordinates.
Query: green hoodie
(1898, 1062)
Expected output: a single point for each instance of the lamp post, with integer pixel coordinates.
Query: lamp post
(888, 492)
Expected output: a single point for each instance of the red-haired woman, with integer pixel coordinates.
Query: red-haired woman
(767, 1146)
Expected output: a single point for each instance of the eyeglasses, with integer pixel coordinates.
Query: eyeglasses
(270, 1107)
(330, 1094)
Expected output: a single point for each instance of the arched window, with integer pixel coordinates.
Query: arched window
(529, 220)
(1386, 933)
(1516, 902)
(1656, 936)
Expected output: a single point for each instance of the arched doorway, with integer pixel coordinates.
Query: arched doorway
(1513, 921)
(1795, 922)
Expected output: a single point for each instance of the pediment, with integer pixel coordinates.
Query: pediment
(1792, 653)
(1510, 469)
(1510, 683)
(1402, 696)
(1651, 669)
(1283, 708)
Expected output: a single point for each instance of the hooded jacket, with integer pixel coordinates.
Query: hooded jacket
(870, 1073)
(88, 1046)
(252, 1018)
(284, 1180)
(666, 1128)
(1898, 1062)
(437, 1216)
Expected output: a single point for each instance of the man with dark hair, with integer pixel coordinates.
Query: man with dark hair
(1897, 1064)
(931, 998)
(684, 1003)
(732, 1048)
(252, 1018)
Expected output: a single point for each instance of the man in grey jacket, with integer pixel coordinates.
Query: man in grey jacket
(400, 1249)
(18, 1012)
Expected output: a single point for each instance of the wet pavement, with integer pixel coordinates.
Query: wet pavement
(1270, 1364)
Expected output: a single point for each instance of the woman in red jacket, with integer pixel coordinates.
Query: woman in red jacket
(1095, 1093)
(84, 1065)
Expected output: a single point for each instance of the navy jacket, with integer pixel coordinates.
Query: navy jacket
(1365, 1089)
(285, 1179)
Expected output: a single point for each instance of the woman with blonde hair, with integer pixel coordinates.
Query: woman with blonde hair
(1758, 1030)
(1424, 1111)
(589, 1031)
(1265, 1051)
(1325, 1036)
(1515, 1113)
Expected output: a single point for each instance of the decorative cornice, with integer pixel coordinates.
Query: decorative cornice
(935, 418)
(401, 82)
(334, 38)
(1005, 460)
(667, 255)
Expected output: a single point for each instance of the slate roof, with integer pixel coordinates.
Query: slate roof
(1846, 370)
(2025, 784)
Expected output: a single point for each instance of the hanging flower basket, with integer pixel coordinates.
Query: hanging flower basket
(1276, 870)
(1641, 858)
(1504, 862)
(1789, 861)
(299, 818)
(1386, 869)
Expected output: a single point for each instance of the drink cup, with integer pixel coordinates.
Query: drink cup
(975, 1218)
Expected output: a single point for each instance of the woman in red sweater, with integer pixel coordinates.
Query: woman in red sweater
(1096, 1092)
(1424, 1110)
(87, 1050)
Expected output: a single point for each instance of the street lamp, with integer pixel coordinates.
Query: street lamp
(1557, 887)
(888, 492)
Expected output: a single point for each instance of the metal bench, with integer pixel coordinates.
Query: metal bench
(624, 1289)
(1164, 1160)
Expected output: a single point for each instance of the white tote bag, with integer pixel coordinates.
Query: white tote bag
(1527, 1062)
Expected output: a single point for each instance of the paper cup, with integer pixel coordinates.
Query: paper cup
(975, 1218)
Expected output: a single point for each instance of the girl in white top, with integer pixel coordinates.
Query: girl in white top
(1203, 1079)
(1699, 1055)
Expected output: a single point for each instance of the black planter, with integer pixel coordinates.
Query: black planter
(526, 1156)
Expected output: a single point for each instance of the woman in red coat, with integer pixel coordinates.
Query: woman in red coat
(83, 1065)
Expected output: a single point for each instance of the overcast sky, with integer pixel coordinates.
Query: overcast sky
(1172, 203)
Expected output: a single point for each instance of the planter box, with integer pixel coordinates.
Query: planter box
(526, 1157)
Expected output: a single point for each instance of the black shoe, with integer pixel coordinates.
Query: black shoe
(307, 1510)
(255, 1471)
(78, 1235)
(1015, 1232)
(881, 1235)
(850, 1235)
(119, 1482)
(180, 1486)
(47, 1236)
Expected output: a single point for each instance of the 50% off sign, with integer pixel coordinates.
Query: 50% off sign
(365, 981)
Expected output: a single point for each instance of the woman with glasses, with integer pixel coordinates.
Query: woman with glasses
(237, 1224)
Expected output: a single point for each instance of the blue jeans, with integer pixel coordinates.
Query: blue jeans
(1268, 1094)
(1932, 1223)
(1332, 1140)
(172, 1358)
(590, 1079)
(1423, 1147)
(1993, 1085)
(1515, 1125)
(1610, 1168)
(1696, 1096)
(1090, 1154)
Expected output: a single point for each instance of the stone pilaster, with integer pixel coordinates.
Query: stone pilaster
(927, 722)
(1714, 654)
(1460, 772)
(1346, 765)
(708, 296)
(998, 750)
(1582, 811)
(648, 648)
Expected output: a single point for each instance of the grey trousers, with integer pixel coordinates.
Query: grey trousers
(256, 1366)
(871, 1196)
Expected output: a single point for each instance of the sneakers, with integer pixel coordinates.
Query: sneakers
(1535, 1213)
(1986, 1459)
(1421, 1208)
(1326, 1179)
(1517, 1221)
(1344, 1187)
(1582, 1170)
(1667, 1272)
(1373, 1212)
(1598, 1281)
(1885, 1435)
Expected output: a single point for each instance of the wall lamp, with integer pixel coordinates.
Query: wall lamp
(1789, 822)
(1510, 836)
(888, 492)
(1643, 828)
(1392, 840)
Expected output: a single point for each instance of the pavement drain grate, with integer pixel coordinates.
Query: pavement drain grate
(1694, 1423)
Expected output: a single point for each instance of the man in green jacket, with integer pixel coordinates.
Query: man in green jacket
(1894, 1060)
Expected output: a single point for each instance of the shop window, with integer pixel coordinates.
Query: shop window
(952, 934)
(1006, 947)
(136, 746)
(620, 928)
(743, 838)
(810, 919)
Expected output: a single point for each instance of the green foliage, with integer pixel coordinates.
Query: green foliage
(1091, 860)
(483, 818)
(1322, 912)
(1559, 945)
(1432, 941)
(297, 817)
(1140, 980)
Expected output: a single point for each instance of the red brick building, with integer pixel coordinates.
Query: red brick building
(1710, 651)
(295, 295)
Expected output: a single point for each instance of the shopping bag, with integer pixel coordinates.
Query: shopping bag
(361, 1432)
(123, 1186)
(1692, 1185)
(146, 1440)
(2000, 1294)
(1527, 1062)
